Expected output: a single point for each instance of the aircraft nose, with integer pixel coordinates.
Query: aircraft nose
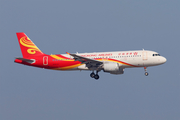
(163, 60)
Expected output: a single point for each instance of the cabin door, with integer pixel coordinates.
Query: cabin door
(45, 60)
(145, 55)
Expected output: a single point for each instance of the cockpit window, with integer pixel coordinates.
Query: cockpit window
(156, 55)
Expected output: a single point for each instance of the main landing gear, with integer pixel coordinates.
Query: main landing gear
(95, 76)
(146, 73)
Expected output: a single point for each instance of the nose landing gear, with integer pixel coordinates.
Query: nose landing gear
(146, 73)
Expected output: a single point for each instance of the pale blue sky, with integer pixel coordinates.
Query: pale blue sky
(59, 26)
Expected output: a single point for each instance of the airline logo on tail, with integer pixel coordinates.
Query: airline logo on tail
(26, 42)
(28, 48)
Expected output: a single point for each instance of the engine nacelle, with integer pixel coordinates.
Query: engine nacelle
(113, 68)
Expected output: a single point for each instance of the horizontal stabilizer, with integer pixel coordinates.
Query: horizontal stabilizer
(26, 60)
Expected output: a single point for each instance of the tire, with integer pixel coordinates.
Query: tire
(92, 75)
(146, 73)
(96, 77)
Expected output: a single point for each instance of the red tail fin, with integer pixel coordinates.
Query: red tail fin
(28, 48)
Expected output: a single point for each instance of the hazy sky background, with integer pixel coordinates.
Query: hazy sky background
(59, 26)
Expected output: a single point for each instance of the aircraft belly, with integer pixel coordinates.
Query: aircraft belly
(82, 67)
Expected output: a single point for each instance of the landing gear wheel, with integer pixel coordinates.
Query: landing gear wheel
(96, 77)
(92, 74)
(146, 73)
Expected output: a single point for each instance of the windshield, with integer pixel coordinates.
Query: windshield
(156, 55)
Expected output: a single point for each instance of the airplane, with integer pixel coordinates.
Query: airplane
(110, 62)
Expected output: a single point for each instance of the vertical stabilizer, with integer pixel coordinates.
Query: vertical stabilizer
(28, 48)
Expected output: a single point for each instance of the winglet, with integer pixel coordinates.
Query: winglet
(67, 53)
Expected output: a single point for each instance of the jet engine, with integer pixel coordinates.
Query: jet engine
(113, 68)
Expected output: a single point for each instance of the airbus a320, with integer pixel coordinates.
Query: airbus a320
(110, 62)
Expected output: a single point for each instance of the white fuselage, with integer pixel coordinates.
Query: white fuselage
(125, 59)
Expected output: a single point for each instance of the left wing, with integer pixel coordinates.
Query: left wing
(89, 62)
